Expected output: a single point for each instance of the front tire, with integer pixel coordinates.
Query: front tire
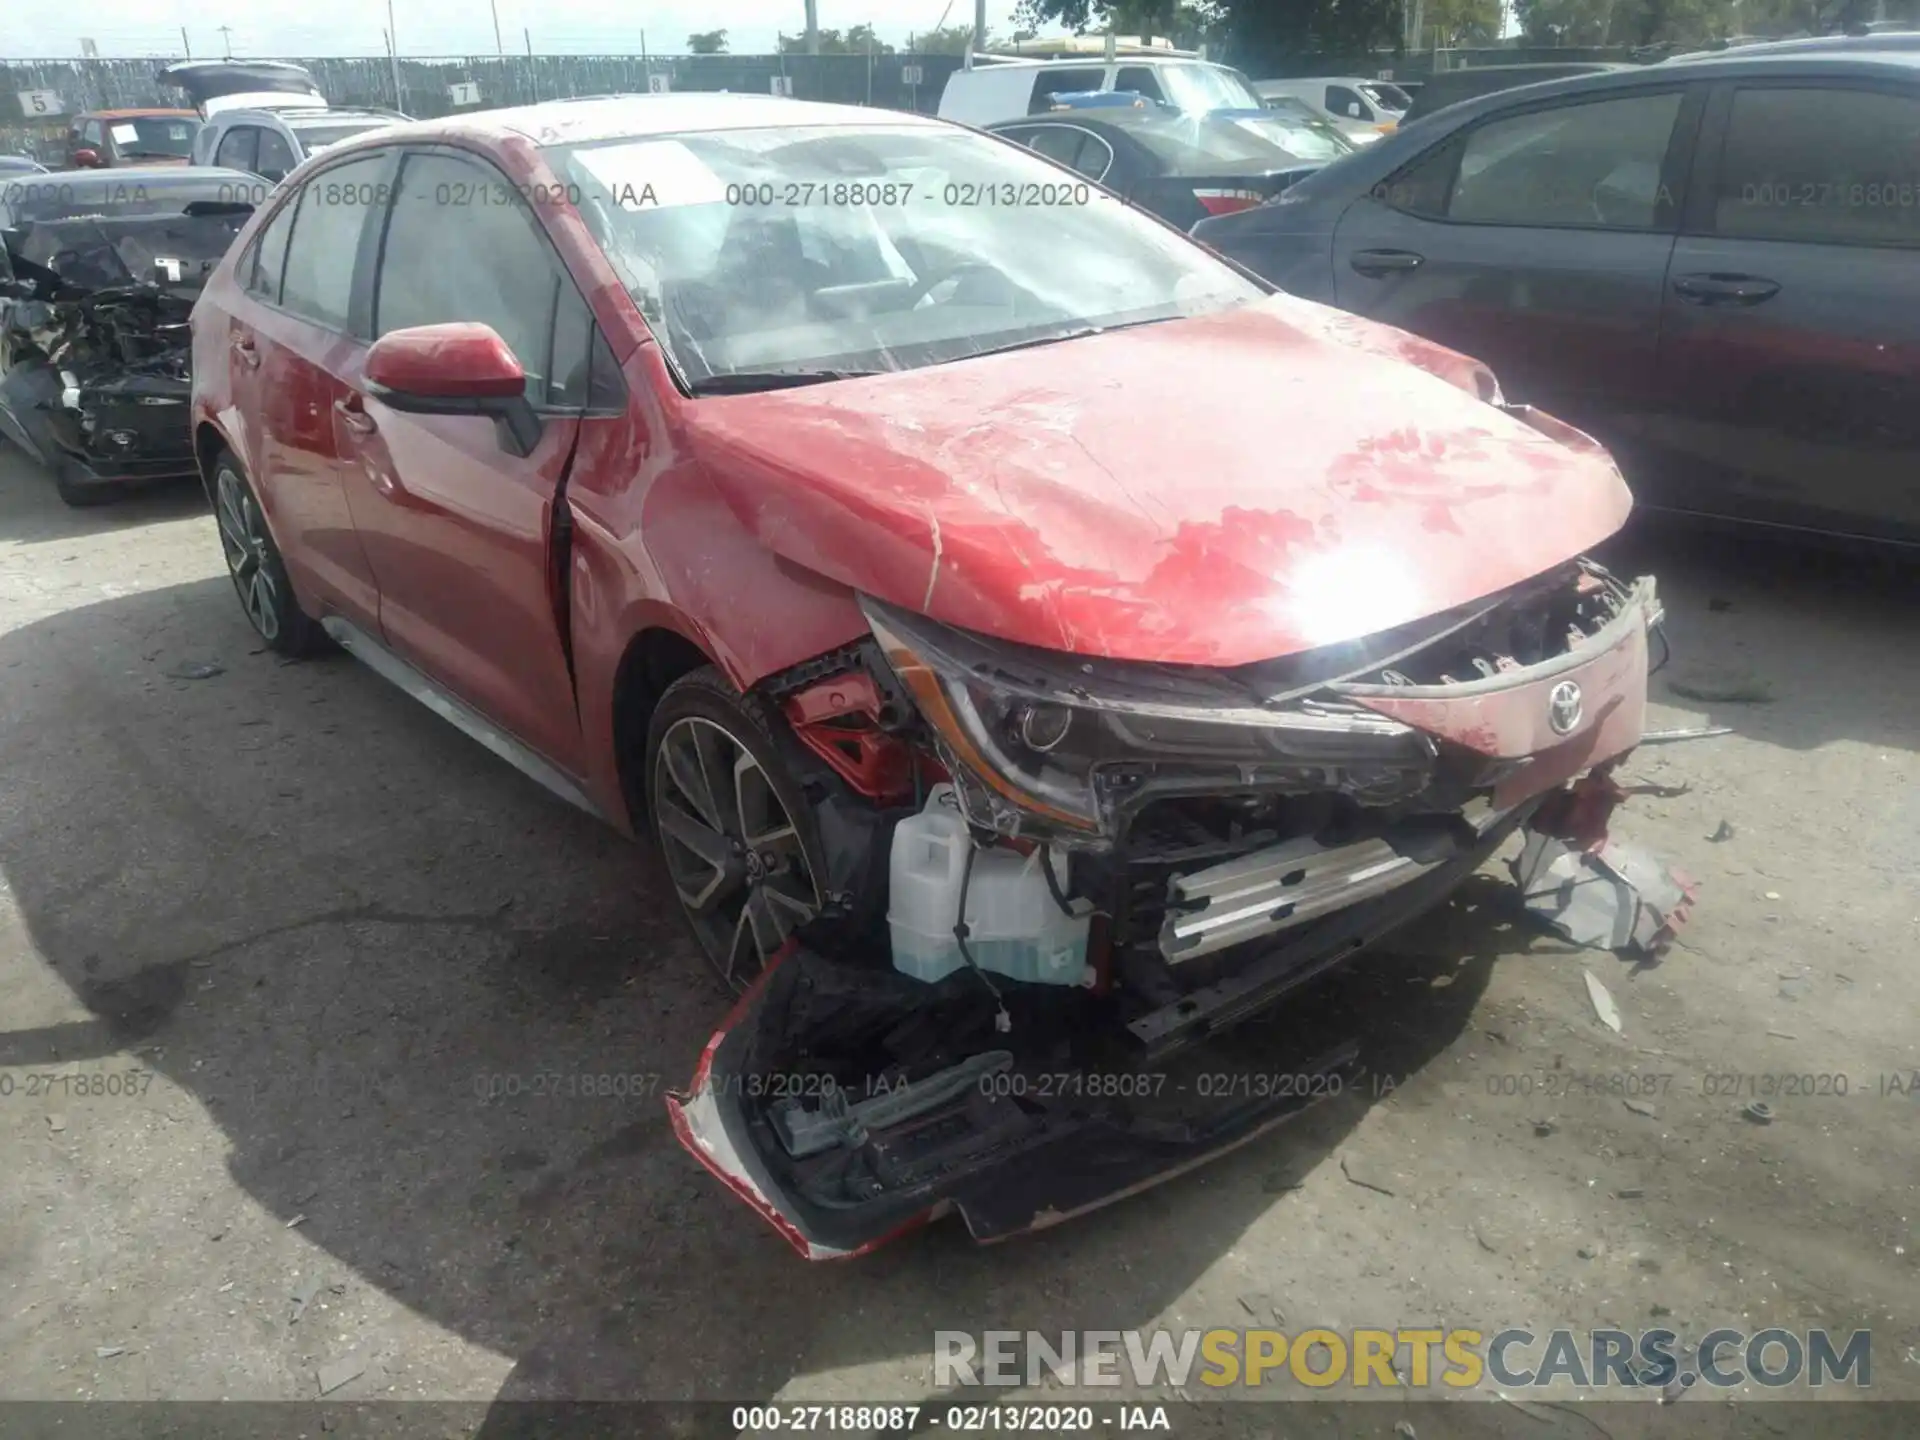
(254, 565)
(733, 822)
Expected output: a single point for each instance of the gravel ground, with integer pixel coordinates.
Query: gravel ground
(325, 926)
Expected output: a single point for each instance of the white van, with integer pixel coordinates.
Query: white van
(1363, 109)
(1006, 89)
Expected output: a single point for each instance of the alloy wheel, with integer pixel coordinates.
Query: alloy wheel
(243, 536)
(733, 852)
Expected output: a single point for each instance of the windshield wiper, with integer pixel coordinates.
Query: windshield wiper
(744, 382)
(1079, 332)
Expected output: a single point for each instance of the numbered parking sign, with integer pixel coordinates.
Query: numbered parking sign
(911, 75)
(40, 102)
(464, 92)
(780, 84)
(658, 84)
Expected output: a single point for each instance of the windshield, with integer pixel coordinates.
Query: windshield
(154, 136)
(1207, 87)
(318, 137)
(1386, 97)
(872, 248)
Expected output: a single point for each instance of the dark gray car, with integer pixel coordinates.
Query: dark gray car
(1713, 266)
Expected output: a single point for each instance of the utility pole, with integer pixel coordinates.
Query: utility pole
(813, 27)
(186, 44)
(979, 26)
(498, 44)
(226, 39)
(393, 57)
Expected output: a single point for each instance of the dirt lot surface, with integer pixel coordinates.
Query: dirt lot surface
(330, 929)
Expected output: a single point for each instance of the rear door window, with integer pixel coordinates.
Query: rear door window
(1827, 165)
(270, 255)
(333, 210)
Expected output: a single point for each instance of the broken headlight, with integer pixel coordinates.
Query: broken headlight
(1058, 736)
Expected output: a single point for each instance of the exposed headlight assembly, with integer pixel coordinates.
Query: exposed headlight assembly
(1064, 739)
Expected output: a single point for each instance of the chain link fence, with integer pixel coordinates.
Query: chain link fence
(39, 97)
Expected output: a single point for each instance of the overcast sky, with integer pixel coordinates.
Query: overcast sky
(38, 29)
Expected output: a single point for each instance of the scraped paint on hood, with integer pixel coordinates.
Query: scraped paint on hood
(1231, 488)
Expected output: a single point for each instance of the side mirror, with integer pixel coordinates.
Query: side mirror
(273, 176)
(461, 368)
(86, 158)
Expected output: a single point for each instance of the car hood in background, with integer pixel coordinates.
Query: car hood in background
(1219, 490)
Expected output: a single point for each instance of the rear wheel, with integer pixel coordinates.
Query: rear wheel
(254, 564)
(733, 822)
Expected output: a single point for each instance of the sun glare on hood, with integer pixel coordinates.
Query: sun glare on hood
(1350, 592)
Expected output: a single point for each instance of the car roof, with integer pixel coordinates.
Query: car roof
(1891, 41)
(1322, 80)
(147, 112)
(1810, 63)
(617, 117)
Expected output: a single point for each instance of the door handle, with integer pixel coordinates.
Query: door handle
(353, 413)
(1716, 289)
(1385, 262)
(245, 351)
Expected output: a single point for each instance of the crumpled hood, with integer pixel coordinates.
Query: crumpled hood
(1220, 490)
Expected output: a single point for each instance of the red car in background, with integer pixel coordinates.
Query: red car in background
(105, 139)
(770, 475)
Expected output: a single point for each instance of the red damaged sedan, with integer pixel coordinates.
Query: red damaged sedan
(1033, 644)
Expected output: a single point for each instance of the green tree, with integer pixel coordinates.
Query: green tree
(1188, 23)
(1460, 22)
(708, 42)
(856, 41)
(1625, 22)
(945, 40)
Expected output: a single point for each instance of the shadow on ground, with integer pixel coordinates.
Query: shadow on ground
(338, 925)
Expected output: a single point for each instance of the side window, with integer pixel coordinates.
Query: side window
(1056, 142)
(1595, 164)
(276, 156)
(1345, 101)
(333, 207)
(1051, 82)
(237, 148)
(1424, 187)
(1809, 164)
(1141, 80)
(463, 244)
(584, 370)
(270, 255)
(95, 134)
(1095, 158)
(1077, 149)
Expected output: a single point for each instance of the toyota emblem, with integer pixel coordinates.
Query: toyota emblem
(1563, 707)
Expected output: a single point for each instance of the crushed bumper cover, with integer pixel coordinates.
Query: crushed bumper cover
(1032, 1148)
